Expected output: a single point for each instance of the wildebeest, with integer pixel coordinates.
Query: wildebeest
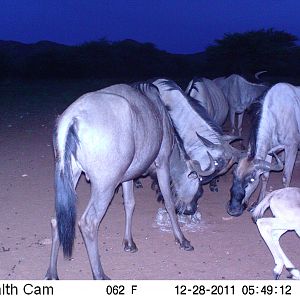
(276, 126)
(211, 98)
(112, 135)
(203, 139)
(285, 206)
(239, 93)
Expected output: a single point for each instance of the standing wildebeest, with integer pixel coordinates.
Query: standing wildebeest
(113, 135)
(211, 98)
(276, 125)
(203, 139)
(285, 206)
(239, 93)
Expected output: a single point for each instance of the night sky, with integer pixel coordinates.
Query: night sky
(177, 26)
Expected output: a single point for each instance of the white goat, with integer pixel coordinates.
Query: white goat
(285, 206)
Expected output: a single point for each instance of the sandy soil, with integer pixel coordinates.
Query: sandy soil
(225, 247)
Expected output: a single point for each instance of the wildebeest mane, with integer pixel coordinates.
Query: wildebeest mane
(172, 85)
(201, 111)
(196, 105)
(193, 85)
(179, 141)
(142, 85)
(255, 117)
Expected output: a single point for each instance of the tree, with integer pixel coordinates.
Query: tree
(249, 52)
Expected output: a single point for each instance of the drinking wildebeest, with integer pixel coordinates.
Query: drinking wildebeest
(185, 191)
(276, 126)
(113, 135)
(285, 206)
(210, 97)
(199, 133)
(239, 93)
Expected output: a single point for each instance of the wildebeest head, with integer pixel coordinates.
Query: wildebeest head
(186, 186)
(186, 182)
(185, 196)
(245, 181)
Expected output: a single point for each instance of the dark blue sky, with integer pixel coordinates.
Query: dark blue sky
(178, 26)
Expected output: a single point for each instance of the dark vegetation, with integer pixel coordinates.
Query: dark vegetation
(241, 53)
(97, 59)
(249, 52)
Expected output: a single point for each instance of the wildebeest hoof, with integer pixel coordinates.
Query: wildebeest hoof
(102, 277)
(293, 273)
(50, 276)
(105, 277)
(251, 208)
(153, 186)
(130, 247)
(186, 245)
(276, 275)
(138, 184)
(254, 220)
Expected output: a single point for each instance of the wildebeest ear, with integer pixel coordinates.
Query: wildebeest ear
(231, 138)
(206, 142)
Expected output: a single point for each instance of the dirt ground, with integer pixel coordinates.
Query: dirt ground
(225, 247)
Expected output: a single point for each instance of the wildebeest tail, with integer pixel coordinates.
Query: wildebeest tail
(65, 145)
(261, 207)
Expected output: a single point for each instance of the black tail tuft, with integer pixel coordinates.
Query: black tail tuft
(65, 202)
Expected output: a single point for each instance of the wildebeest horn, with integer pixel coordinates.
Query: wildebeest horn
(206, 142)
(195, 165)
(266, 166)
(256, 75)
(228, 150)
(276, 149)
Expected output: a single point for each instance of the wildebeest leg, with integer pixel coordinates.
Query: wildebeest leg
(290, 157)
(163, 177)
(129, 204)
(232, 120)
(239, 128)
(52, 270)
(89, 224)
(240, 122)
(271, 229)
